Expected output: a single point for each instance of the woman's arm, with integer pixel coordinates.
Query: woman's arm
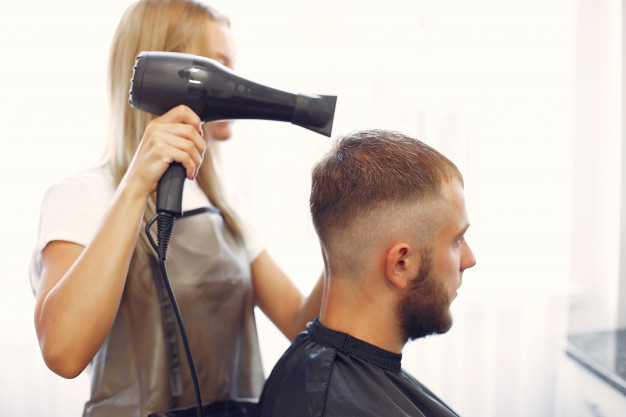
(81, 287)
(280, 299)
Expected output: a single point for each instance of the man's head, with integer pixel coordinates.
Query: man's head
(387, 205)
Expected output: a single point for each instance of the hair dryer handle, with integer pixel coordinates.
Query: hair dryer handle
(170, 190)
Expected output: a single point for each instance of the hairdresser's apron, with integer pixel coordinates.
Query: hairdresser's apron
(136, 372)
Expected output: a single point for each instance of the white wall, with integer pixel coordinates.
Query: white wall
(597, 171)
(621, 320)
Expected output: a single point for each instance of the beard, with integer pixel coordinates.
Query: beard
(425, 309)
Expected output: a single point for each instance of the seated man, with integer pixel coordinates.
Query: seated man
(390, 215)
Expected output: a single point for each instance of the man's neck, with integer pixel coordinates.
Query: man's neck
(367, 317)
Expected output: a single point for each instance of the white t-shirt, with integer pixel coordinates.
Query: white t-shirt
(72, 210)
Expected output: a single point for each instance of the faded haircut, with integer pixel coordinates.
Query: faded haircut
(370, 169)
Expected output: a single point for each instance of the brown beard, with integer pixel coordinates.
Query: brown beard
(425, 308)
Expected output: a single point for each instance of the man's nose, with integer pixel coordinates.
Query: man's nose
(468, 260)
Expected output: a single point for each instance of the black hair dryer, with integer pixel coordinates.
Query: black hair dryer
(164, 80)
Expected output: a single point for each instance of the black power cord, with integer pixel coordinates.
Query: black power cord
(165, 224)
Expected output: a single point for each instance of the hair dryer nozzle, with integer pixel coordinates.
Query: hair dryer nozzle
(315, 113)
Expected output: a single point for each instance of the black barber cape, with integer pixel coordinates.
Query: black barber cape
(325, 373)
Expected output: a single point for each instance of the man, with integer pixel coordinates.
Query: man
(390, 215)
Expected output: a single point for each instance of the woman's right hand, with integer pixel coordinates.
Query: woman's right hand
(175, 136)
(81, 287)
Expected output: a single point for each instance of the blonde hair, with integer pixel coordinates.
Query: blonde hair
(155, 25)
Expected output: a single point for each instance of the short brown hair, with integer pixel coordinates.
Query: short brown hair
(371, 168)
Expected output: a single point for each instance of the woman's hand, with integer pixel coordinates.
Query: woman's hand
(81, 287)
(175, 136)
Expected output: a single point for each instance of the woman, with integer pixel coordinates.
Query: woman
(92, 269)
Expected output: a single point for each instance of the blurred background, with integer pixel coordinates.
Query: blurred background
(526, 97)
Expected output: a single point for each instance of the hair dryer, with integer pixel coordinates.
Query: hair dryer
(164, 80)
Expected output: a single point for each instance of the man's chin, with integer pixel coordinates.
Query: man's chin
(426, 324)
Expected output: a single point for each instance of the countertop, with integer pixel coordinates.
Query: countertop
(602, 353)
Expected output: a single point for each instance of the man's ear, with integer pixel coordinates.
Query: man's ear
(401, 264)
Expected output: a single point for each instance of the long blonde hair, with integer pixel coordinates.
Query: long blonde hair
(155, 25)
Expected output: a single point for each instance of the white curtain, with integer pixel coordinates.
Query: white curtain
(489, 83)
